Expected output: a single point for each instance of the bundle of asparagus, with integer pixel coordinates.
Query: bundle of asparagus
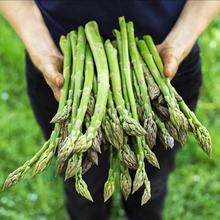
(114, 95)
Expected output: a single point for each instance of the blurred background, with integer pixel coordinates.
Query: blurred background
(194, 187)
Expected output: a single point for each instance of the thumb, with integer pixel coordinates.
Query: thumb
(170, 65)
(54, 79)
(53, 75)
(170, 60)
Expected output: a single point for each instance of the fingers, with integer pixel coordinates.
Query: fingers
(54, 79)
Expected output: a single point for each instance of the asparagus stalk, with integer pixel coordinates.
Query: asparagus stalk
(117, 130)
(87, 88)
(149, 123)
(147, 192)
(161, 110)
(73, 166)
(159, 64)
(153, 50)
(42, 158)
(95, 42)
(67, 109)
(128, 158)
(109, 186)
(99, 138)
(81, 186)
(125, 182)
(46, 157)
(177, 135)
(80, 59)
(152, 87)
(48, 154)
(14, 177)
(126, 69)
(149, 155)
(109, 132)
(138, 98)
(176, 116)
(140, 175)
(200, 132)
(96, 145)
(122, 79)
(90, 160)
(131, 126)
(164, 136)
(65, 45)
(66, 149)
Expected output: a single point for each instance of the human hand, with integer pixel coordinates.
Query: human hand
(37, 40)
(172, 55)
(50, 65)
(185, 32)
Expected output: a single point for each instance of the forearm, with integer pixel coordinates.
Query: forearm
(194, 19)
(27, 21)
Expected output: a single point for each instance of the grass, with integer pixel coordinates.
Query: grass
(194, 189)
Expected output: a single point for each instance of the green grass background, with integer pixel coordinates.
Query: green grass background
(194, 187)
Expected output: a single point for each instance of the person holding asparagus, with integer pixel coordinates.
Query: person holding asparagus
(172, 25)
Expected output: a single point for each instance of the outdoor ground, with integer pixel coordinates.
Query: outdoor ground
(194, 187)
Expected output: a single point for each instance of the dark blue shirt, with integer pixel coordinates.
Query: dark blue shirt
(154, 17)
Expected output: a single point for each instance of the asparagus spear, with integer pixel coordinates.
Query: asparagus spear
(64, 114)
(138, 98)
(153, 50)
(127, 157)
(147, 192)
(125, 182)
(117, 130)
(91, 105)
(109, 132)
(140, 175)
(131, 126)
(81, 186)
(159, 64)
(124, 92)
(176, 116)
(149, 123)
(161, 110)
(87, 88)
(164, 136)
(90, 160)
(66, 149)
(109, 186)
(96, 145)
(48, 154)
(99, 138)
(95, 42)
(200, 132)
(14, 177)
(73, 166)
(152, 87)
(149, 155)
(44, 155)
